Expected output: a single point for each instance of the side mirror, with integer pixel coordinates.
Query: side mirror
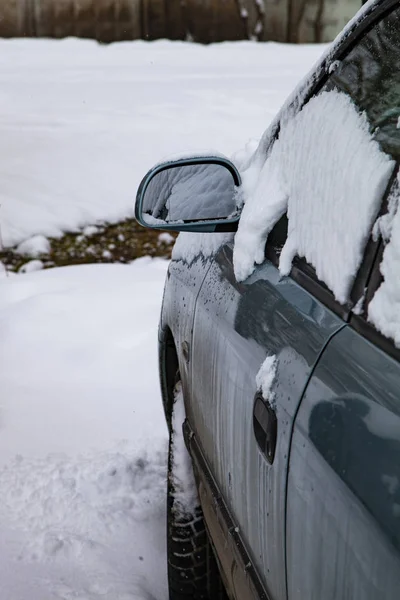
(193, 194)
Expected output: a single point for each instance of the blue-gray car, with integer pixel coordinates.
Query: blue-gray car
(280, 336)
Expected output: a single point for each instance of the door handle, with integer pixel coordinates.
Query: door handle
(265, 426)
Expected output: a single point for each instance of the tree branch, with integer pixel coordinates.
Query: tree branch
(259, 26)
(244, 16)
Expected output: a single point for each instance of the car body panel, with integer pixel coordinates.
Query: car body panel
(236, 327)
(238, 572)
(182, 286)
(343, 520)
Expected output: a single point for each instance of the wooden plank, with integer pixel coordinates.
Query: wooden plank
(127, 15)
(85, 18)
(296, 16)
(11, 18)
(205, 20)
(105, 19)
(154, 19)
(201, 20)
(209, 21)
(192, 17)
(276, 20)
(302, 21)
(63, 18)
(54, 18)
(320, 20)
(248, 14)
(337, 16)
(175, 20)
(17, 18)
(29, 20)
(230, 25)
(44, 16)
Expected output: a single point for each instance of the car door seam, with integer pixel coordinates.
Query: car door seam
(312, 370)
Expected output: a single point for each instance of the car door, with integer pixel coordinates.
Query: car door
(287, 320)
(343, 518)
(343, 497)
(237, 326)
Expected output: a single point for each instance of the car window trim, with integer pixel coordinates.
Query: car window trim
(375, 248)
(360, 322)
(304, 275)
(372, 335)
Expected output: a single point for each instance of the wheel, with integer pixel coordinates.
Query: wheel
(192, 569)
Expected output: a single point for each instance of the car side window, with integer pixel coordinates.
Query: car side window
(369, 76)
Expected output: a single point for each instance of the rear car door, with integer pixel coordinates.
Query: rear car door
(343, 497)
(343, 519)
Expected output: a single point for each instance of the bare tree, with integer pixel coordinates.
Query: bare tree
(244, 16)
(319, 22)
(297, 9)
(252, 13)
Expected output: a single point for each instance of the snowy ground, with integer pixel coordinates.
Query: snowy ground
(82, 435)
(80, 123)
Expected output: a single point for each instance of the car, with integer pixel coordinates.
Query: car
(279, 341)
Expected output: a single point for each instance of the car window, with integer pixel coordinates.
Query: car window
(370, 75)
(330, 169)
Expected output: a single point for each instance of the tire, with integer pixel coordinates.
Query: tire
(192, 568)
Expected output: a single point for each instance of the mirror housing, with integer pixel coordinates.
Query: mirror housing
(197, 194)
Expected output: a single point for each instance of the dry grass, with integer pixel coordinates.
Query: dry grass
(119, 243)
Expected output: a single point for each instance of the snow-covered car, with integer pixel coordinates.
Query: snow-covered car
(279, 341)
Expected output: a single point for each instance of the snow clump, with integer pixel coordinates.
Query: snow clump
(34, 246)
(266, 377)
(330, 207)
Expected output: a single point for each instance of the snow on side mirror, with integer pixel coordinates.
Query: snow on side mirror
(193, 194)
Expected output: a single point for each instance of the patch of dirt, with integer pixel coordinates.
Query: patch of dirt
(119, 243)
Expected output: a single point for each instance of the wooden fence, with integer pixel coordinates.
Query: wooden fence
(114, 20)
(200, 20)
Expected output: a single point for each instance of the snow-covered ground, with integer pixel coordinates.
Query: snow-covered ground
(80, 123)
(82, 434)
